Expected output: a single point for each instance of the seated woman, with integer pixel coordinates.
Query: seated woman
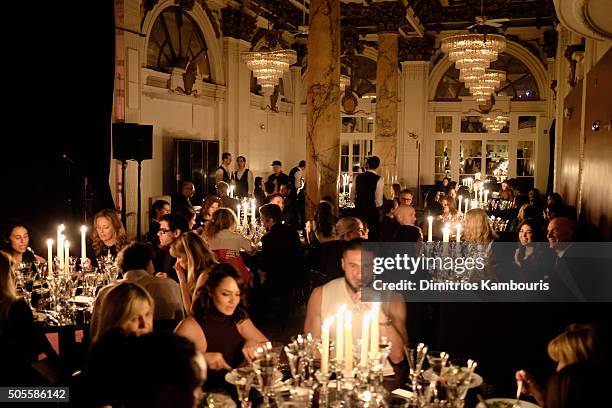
(194, 260)
(220, 327)
(209, 205)
(506, 192)
(349, 228)
(448, 209)
(20, 343)
(16, 243)
(579, 343)
(533, 258)
(222, 238)
(259, 192)
(109, 235)
(128, 307)
(321, 228)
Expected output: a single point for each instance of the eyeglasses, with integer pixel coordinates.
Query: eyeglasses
(163, 230)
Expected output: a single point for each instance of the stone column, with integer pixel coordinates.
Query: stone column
(385, 146)
(238, 80)
(322, 103)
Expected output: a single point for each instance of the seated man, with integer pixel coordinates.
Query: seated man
(136, 263)
(327, 299)
(171, 226)
(406, 230)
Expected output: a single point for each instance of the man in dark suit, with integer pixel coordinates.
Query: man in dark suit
(369, 196)
(171, 226)
(185, 195)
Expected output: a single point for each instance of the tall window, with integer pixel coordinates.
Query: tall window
(175, 42)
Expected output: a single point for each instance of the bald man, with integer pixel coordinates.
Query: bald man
(405, 214)
(407, 231)
(560, 234)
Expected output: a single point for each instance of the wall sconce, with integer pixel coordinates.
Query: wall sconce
(262, 126)
(595, 126)
(567, 113)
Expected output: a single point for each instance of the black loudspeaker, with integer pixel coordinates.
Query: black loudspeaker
(132, 141)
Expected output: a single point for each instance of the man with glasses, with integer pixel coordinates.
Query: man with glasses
(171, 226)
(405, 197)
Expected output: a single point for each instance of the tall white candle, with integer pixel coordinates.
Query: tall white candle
(325, 345)
(445, 233)
(348, 343)
(375, 329)
(252, 211)
(49, 256)
(61, 258)
(245, 209)
(486, 196)
(365, 325)
(465, 202)
(350, 188)
(67, 257)
(232, 191)
(60, 246)
(83, 249)
(239, 219)
(430, 229)
(481, 195)
(340, 333)
(458, 232)
(460, 199)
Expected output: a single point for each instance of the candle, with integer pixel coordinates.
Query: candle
(459, 209)
(465, 207)
(340, 333)
(430, 229)
(60, 245)
(458, 232)
(481, 194)
(365, 325)
(232, 191)
(348, 343)
(350, 188)
(252, 211)
(49, 256)
(245, 209)
(61, 257)
(83, 249)
(445, 233)
(239, 219)
(486, 196)
(325, 345)
(375, 329)
(67, 257)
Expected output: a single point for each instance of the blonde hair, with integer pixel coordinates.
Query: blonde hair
(521, 212)
(222, 219)
(120, 233)
(477, 227)
(576, 344)
(451, 205)
(8, 293)
(117, 306)
(200, 259)
(347, 226)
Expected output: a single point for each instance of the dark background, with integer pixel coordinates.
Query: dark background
(59, 73)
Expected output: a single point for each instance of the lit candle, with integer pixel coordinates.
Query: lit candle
(459, 209)
(430, 229)
(445, 233)
(348, 343)
(49, 256)
(252, 211)
(232, 191)
(481, 195)
(67, 257)
(83, 249)
(465, 207)
(458, 232)
(486, 196)
(245, 210)
(375, 329)
(365, 325)
(350, 188)
(61, 257)
(239, 219)
(60, 245)
(325, 345)
(340, 333)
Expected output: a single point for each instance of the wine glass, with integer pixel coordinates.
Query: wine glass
(415, 354)
(265, 368)
(244, 380)
(437, 360)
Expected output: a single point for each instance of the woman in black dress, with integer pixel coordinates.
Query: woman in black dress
(109, 235)
(16, 243)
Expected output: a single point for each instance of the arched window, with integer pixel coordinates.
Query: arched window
(520, 83)
(175, 41)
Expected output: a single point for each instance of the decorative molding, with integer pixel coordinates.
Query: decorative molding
(350, 44)
(237, 24)
(416, 49)
(573, 54)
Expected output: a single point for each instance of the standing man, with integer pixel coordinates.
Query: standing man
(297, 174)
(243, 178)
(223, 172)
(276, 179)
(369, 195)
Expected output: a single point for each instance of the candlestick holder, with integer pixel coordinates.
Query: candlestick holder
(323, 380)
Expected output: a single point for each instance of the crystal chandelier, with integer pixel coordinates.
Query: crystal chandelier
(494, 123)
(473, 50)
(482, 87)
(269, 66)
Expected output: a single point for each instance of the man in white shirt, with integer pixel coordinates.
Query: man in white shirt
(243, 178)
(223, 172)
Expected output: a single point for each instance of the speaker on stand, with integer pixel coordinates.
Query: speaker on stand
(132, 141)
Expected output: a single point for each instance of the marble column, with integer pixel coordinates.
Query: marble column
(385, 146)
(238, 81)
(322, 103)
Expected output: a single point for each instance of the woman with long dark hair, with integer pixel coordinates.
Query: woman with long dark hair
(533, 258)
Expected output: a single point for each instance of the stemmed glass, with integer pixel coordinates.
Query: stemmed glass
(437, 360)
(415, 354)
(265, 368)
(25, 280)
(243, 383)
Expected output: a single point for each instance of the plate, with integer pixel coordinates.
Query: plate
(505, 403)
(474, 382)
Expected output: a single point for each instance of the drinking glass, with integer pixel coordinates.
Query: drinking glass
(415, 354)
(244, 381)
(265, 368)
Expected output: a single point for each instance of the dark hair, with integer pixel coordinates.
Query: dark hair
(578, 385)
(186, 213)
(185, 182)
(407, 233)
(10, 226)
(156, 206)
(536, 192)
(203, 304)
(373, 162)
(556, 197)
(302, 163)
(536, 229)
(356, 168)
(225, 155)
(533, 213)
(520, 199)
(328, 198)
(435, 208)
(175, 222)
(556, 210)
(352, 245)
(324, 219)
(272, 196)
(135, 256)
(406, 191)
(387, 207)
(270, 211)
(397, 188)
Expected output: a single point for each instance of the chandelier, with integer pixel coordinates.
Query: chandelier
(494, 123)
(269, 66)
(483, 86)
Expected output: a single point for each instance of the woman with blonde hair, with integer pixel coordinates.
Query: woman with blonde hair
(476, 227)
(222, 238)
(194, 260)
(128, 307)
(349, 228)
(109, 235)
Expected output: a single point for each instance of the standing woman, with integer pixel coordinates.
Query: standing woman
(219, 326)
(16, 243)
(109, 236)
(194, 260)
